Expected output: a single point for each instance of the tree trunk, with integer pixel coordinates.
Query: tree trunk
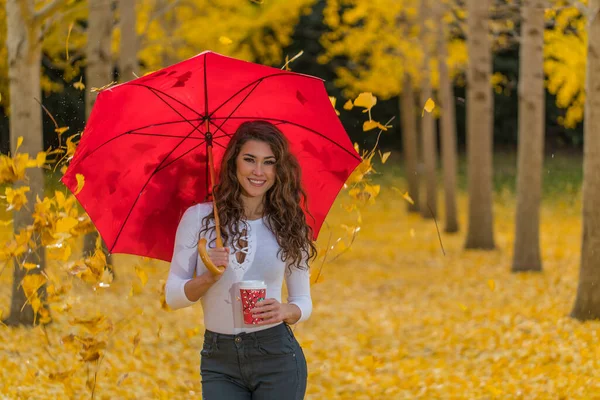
(448, 127)
(98, 71)
(531, 139)
(587, 303)
(24, 59)
(479, 128)
(409, 142)
(128, 46)
(428, 131)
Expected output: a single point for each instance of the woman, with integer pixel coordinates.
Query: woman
(259, 196)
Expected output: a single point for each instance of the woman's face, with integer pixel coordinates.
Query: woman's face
(255, 168)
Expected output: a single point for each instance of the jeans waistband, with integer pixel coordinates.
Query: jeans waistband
(274, 331)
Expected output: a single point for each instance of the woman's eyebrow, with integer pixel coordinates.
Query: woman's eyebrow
(253, 156)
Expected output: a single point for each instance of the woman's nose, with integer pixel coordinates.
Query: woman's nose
(258, 170)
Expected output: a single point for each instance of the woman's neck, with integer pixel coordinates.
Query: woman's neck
(253, 207)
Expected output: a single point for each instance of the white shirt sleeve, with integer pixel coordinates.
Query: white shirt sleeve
(298, 286)
(184, 259)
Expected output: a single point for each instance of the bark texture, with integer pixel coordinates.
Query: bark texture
(530, 157)
(409, 142)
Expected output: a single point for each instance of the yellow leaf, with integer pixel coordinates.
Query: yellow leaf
(79, 85)
(80, 182)
(369, 125)
(348, 105)
(462, 307)
(429, 106)
(19, 143)
(385, 156)
(365, 100)
(405, 195)
(62, 130)
(141, 274)
(40, 159)
(30, 266)
(491, 284)
(225, 40)
(64, 225)
(16, 198)
(60, 198)
(412, 233)
(333, 100)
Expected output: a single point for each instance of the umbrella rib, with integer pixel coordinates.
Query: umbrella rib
(219, 129)
(144, 187)
(238, 106)
(154, 90)
(257, 81)
(158, 169)
(283, 121)
(163, 135)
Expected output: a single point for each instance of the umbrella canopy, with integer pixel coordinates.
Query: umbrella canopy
(143, 153)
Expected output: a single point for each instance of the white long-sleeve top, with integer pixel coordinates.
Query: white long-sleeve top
(221, 303)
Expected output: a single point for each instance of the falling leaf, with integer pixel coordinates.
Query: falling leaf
(225, 40)
(463, 307)
(19, 143)
(80, 182)
(491, 284)
(30, 266)
(429, 106)
(405, 195)
(365, 100)
(62, 130)
(412, 232)
(79, 85)
(348, 105)
(385, 156)
(333, 100)
(64, 225)
(369, 125)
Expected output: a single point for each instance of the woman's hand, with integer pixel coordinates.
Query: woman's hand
(220, 257)
(272, 311)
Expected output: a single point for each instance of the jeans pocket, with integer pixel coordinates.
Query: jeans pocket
(276, 347)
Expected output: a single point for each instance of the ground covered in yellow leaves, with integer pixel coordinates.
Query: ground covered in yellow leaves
(394, 318)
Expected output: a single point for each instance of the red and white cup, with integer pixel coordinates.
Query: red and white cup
(250, 293)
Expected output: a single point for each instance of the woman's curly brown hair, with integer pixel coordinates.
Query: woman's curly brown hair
(282, 203)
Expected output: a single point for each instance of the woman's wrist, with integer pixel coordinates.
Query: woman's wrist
(293, 314)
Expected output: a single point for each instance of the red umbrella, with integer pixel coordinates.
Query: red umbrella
(144, 153)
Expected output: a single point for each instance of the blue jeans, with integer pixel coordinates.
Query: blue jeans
(263, 365)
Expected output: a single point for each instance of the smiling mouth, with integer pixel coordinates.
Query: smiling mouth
(256, 182)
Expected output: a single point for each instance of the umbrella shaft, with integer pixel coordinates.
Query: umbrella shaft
(211, 169)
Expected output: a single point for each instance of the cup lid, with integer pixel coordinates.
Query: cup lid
(252, 284)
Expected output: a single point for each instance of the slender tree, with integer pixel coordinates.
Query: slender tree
(587, 302)
(128, 45)
(409, 141)
(448, 125)
(428, 131)
(531, 138)
(24, 48)
(479, 127)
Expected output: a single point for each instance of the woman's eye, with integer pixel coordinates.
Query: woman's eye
(270, 162)
(249, 159)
